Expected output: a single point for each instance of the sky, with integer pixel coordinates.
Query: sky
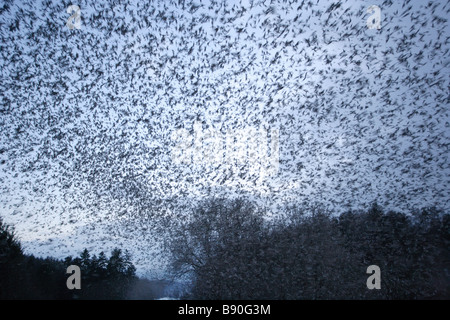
(92, 117)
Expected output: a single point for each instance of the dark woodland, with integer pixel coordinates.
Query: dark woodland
(230, 252)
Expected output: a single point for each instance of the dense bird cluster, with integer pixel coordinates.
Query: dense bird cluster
(87, 114)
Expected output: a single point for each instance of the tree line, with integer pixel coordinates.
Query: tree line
(27, 277)
(232, 252)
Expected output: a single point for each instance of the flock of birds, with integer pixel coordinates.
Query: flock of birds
(87, 114)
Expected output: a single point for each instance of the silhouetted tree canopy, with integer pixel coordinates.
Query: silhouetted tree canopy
(233, 254)
(28, 277)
